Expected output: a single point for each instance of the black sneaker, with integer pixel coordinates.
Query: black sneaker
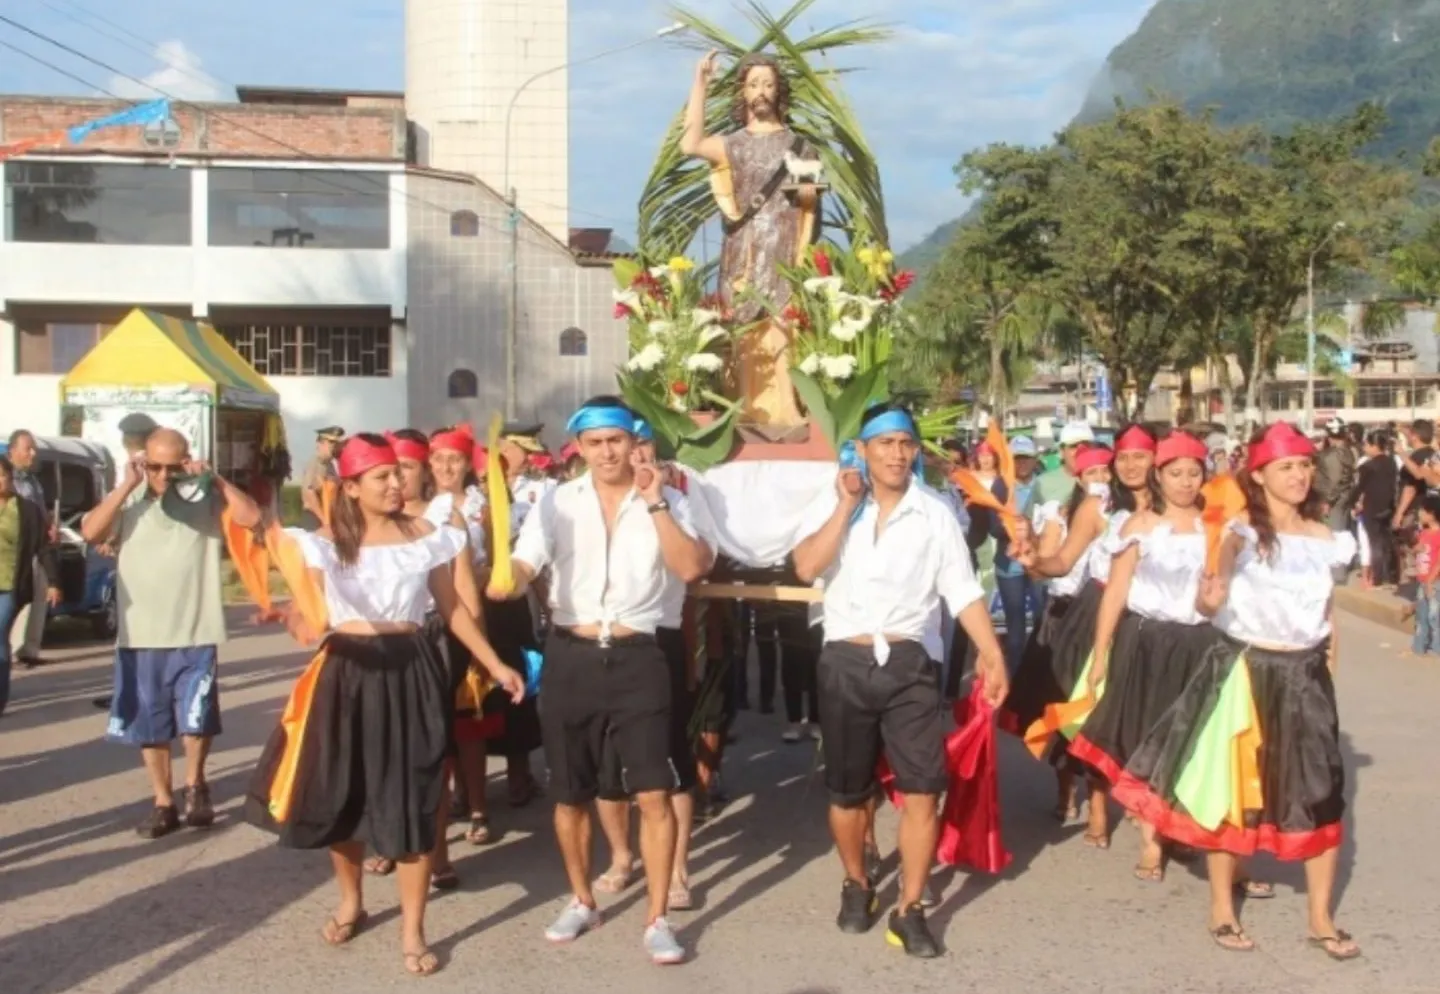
(909, 931)
(858, 906)
(162, 821)
(198, 811)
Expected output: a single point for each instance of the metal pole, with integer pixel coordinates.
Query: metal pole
(512, 310)
(1310, 346)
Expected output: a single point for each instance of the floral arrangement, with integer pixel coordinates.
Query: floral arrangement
(678, 344)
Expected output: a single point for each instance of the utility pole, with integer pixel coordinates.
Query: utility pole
(512, 311)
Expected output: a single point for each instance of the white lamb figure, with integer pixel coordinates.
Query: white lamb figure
(803, 170)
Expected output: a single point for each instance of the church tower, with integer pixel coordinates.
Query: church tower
(465, 61)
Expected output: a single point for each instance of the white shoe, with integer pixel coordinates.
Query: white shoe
(574, 921)
(815, 732)
(662, 946)
(791, 734)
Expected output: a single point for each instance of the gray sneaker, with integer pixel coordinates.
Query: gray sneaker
(662, 946)
(574, 921)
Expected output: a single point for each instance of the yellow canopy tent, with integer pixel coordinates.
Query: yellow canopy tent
(184, 375)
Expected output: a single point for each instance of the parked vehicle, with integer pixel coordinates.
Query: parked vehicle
(76, 475)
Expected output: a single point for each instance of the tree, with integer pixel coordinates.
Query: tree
(677, 202)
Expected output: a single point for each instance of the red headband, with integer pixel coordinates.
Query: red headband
(458, 439)
(542, 460)
(1090, 456)
(1280, 441)
(1180, 445)
(985, 447)
(1135, 439)
(569, 451)
(358, 457)
(406, 448)
(479, 456)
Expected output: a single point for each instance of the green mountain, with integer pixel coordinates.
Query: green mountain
(1275, 63)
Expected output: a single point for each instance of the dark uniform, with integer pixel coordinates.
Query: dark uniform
(318, 472)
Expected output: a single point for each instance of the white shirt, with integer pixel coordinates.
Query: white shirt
(440, 509)
(1283, 600)
(1167, 575)
(893, 584)
(526, 496)
(619, 580)
(387, 582)
(1068, 585)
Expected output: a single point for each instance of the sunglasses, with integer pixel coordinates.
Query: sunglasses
(168, 468)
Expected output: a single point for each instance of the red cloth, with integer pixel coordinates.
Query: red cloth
(970, 821)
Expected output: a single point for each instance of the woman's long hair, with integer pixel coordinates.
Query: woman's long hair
(1157, 499)
(1257, 503)
(1077, 497)
(427, 478)
(347, 521)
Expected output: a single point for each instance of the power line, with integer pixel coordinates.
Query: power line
(48, 65)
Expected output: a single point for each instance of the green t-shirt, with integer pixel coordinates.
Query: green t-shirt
(9, 542)
(168, 574)
(1054, 485)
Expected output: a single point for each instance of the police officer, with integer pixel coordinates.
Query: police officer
(319, 472)
(519, 440)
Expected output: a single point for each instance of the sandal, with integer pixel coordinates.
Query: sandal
(1232, 939)
(680, 898)
(614, 880)
(379, 866)
(1096, 840)
(422, 964)
(1150, 874)
(446, 879)
(1255, 890)
(337, 934)
(478, 834)
(1065, 814)
(1339, 947)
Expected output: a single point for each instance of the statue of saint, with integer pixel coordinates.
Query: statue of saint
(770, 219)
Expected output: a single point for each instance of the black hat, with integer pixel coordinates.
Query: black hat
(528, 429)
(334, 433)
(137, 424)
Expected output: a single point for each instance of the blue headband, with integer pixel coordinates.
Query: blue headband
(643, 431)
(890, 421)
(590, 418)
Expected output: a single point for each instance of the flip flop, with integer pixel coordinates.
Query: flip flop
(421, 964)
(1327, 943)
(1255, 890)
(478, 834)
(1150, 874)
(1095, 840)
(613, 881)
(446, 879)
(1232, 939)
(680, 898)
(379, 866)
(337, 934)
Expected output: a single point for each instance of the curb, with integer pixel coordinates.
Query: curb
(1378, 606)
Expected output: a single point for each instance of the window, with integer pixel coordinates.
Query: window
(299, 208)
(1284, 398)
(462, 383)
(573, 342)
(54, 346)
(1380, 395)
(1327, 395)
(464, 224)
(97, 203)
(312, 350)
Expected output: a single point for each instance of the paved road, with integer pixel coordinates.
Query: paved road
(86, 906)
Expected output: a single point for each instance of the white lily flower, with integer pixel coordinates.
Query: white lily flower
(647, 358)
(659, 272)
(629, 299)
(660, 327)
(830, 286)
(711, 333)
(704, 362)
(811, 364)
(846, 329)
(838, 367)
(704, 316)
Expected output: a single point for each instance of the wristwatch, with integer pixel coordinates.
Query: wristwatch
(660, 505)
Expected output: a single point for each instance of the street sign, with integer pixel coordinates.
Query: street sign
(1104, 401)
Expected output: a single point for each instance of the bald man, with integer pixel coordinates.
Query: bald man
(171, 618)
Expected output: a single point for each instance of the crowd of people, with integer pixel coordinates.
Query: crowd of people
(443, 594)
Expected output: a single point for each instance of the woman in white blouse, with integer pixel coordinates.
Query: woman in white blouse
(1149, 635)
(359, 756)
(1248, 759)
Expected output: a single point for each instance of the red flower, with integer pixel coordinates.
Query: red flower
(621, 312)
(795, 315)
(679, 388)
(898, 284)
(647, 284)
(822, 262)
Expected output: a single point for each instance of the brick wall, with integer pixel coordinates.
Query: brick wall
(243, 130)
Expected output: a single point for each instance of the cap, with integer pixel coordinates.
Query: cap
(1076, 432)
(1335, 426)
(137, 424)
(1022, 445)
(1217, 442)
(333, 433)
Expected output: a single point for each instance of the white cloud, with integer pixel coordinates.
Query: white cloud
(180, 76)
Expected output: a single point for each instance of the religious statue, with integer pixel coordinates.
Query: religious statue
(766, 182)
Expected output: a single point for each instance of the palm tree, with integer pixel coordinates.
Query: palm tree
(677, 202)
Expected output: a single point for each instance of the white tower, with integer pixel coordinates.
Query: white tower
(465, 61)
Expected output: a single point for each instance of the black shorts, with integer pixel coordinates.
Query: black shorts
(682, 706)
(606, 698)
(866, 707)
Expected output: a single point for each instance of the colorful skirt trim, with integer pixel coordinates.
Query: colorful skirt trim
(1150, 664)
(1247, 759)
(1049, 697)
(360, 752)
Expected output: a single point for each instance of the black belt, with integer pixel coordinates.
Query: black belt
(571, 635)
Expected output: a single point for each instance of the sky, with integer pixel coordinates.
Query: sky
(953, 76)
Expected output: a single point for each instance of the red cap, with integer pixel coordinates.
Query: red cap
(358, 457)
(1090, 456)
(406, 448)
(1135, 438)
(1180, 445)
(1280, 441)
(458, 439)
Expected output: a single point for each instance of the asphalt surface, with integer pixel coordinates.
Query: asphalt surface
(86, 906)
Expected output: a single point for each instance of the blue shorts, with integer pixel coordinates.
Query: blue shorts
(162, 693)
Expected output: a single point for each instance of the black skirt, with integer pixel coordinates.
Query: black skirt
(1055, 657)
(1150, 664)
(511, 630)
(369, 760)
(1185, 770)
